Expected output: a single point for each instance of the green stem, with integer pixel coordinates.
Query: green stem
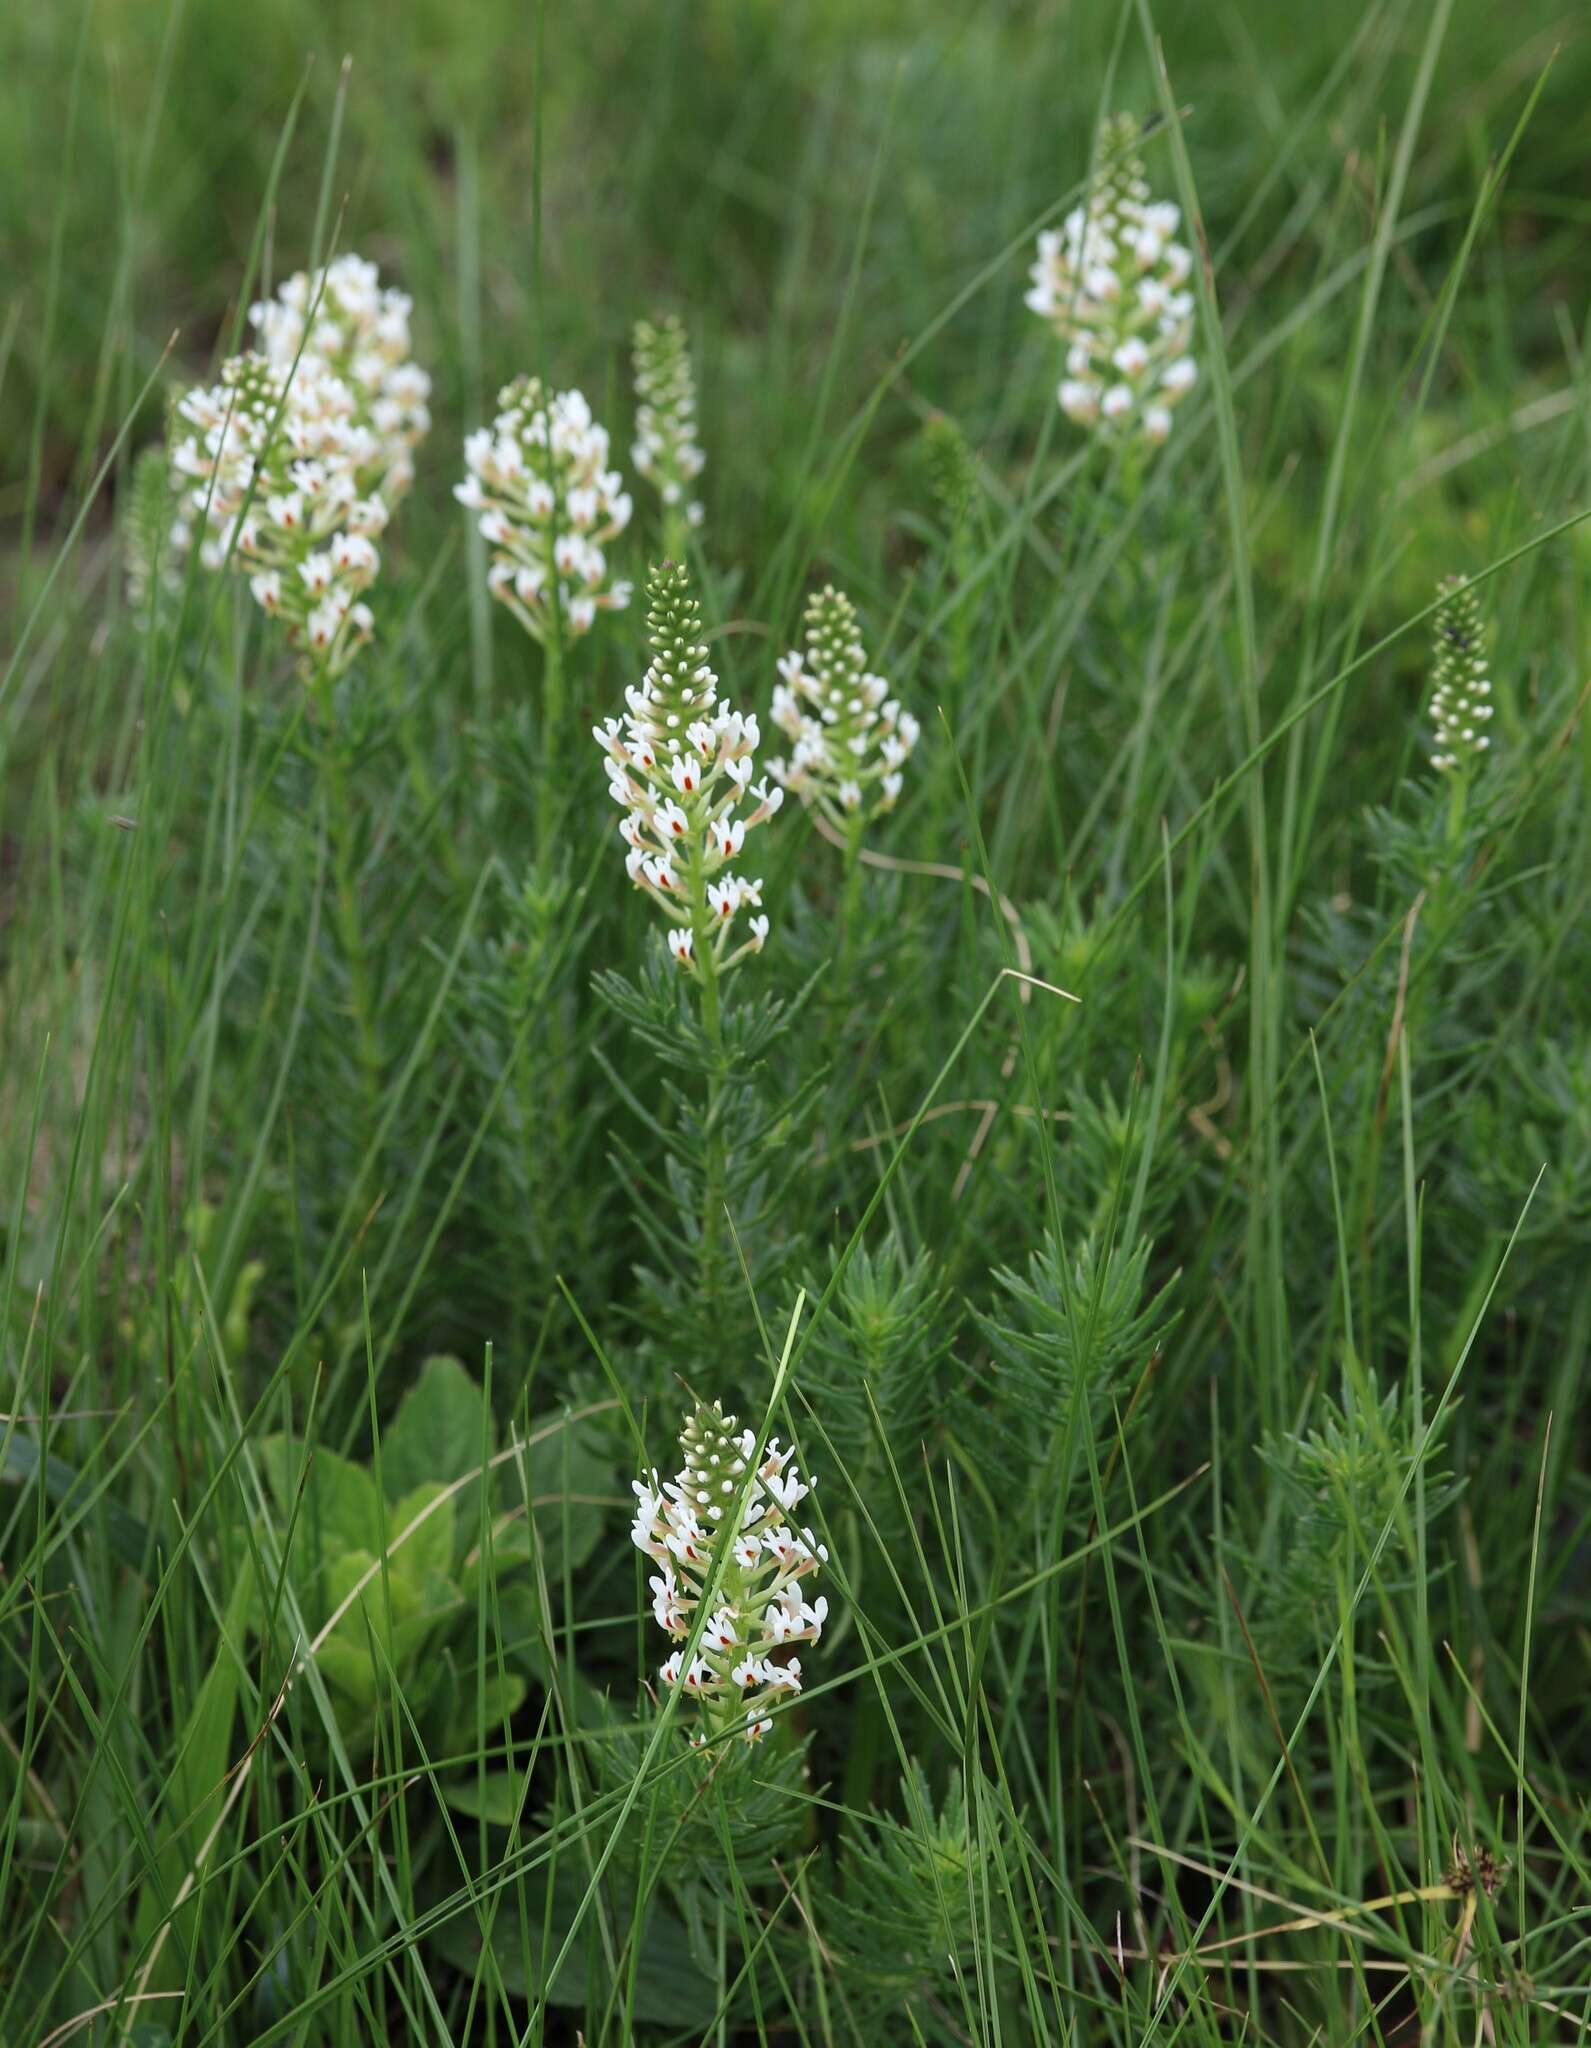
(345, 902)
(549, 811)
(425, 796)
(850, 899)
(545, 1065)
(850, 906)
(702, 937)
(1455, 810)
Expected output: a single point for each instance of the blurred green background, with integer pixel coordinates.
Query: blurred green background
(721, 154)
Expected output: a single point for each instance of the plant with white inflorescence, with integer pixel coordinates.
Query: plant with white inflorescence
(850, 737)
(681, 764)
(716, 1515)
(547, 502)
(288, 465)
(270, 471)
(1112, 283)
(343, 322)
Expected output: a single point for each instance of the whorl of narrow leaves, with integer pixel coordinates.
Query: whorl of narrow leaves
(952, 470)
(904, 1920)
(1461, 688)
(877, 1355)
(1341, 1486)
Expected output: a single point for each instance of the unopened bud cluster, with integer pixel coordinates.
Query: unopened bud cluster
(1461, 693)
(665, 450)
(1112, 282)
(850, 737)
(548, 503)
(740, 1667)
(681, 763)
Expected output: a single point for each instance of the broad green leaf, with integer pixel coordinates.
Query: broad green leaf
(498, 1798)
(670, 1989)
(487, 1706)
(340, 1510)
(568, 1482)
(439, 1433)
(430, 1549)
(67, 1488)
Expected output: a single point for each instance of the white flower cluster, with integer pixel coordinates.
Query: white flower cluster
(1461, 696)
(547, 500)
(850, 737)
(761, 1607)
(342, 322)
(1112, 283)
(681, 765)
(272, 471)
(665, 450)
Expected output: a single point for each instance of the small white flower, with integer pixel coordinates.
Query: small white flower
(719, 1633)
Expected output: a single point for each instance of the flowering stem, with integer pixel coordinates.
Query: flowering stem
(850, 895)
(702, 937)
(850, 914)
(350, 934)
(552, 719)
(1455, 812)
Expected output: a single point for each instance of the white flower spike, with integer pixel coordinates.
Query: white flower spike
(277, 475)
(680, 763)
(849, 737)
(343, 322)
(1113, 284)
(762, 1601)
(546, 500)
